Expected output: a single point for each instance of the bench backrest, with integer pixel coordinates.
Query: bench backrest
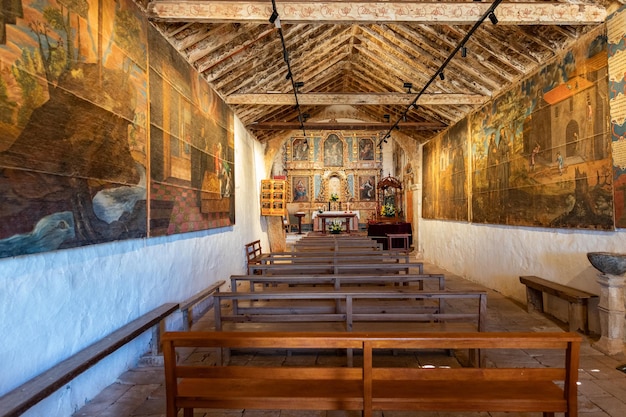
(369, 344)
(253, 251)
(335, 268)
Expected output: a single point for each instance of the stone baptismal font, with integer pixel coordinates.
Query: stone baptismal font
(612, 267)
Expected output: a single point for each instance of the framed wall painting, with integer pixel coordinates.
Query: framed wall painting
(300, 189)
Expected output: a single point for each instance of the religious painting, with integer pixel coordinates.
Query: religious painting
(73, 138)
(192, 147)
(445, 187)
(616, 24)
(300, 189)
(366, 149)
(74, 148)
(540, 152)
(367, 188)
(300, 150)
(333, 151)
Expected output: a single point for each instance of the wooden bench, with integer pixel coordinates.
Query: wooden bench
(350, 305)
(335, 268)
(369, 388)
(253, 253)
(333, 257)
(186, 306)
(22, 398)
(578, 300)
(336, 280)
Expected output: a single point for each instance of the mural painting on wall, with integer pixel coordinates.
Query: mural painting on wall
(192, 147)
(445, 179)
(333, 151)
(540, 152)
(73, 116)
(617, 95)
(300, 189)
(300, 150)
(366, 149)
(367, 188)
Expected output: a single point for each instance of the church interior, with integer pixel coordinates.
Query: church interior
(392, 169)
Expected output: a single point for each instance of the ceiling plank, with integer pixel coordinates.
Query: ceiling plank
(354, 99)
(375, 12)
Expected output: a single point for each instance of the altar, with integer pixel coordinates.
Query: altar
(351, 219)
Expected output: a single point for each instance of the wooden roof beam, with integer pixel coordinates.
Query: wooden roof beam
(344, 126)
(327, 99)
(348, 12)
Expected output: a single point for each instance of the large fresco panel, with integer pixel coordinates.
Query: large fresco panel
(540, 154)
(73, 137)
(192, 148)
(445, 186)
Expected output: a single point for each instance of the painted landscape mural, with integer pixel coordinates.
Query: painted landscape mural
(539, 154)
(74, 138)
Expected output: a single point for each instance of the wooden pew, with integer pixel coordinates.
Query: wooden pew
(22, 398)
(350, 305)
(336, 280)
(337, 244)
(333, 257)
(186, 306)
(253, 253)
(370, 388)
(336, 268)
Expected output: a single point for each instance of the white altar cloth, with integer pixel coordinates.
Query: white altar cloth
(339, 214)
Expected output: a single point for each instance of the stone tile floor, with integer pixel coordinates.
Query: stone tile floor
(602, 388)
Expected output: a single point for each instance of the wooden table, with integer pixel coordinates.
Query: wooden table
(348, 215)
(300, 215)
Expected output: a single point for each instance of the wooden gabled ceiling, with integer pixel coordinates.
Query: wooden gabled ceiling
(359, 55)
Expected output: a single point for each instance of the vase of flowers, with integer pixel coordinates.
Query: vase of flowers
(332, 204)
(388, 210)
(335, 227)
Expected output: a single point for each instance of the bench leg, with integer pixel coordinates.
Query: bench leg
(577, 317)
(188, 412)
(534, 299)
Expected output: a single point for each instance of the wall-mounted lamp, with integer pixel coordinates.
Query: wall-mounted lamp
(298, 85)
(493, 18)
(463, 51)
(288, 76)
(408, 87)
(441, 76)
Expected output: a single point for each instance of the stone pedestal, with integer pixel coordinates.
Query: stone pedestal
(611, 312)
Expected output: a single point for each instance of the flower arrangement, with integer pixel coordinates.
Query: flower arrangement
(388, 210)
(334, 197)
(335, 226)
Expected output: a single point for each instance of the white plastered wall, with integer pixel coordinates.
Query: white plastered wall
(55, 304)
